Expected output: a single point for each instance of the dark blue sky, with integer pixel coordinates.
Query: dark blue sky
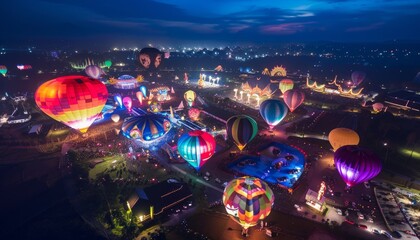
(118, 22)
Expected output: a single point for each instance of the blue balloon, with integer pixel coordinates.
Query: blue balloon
(143, 90)
(273, 112)
(118, 99)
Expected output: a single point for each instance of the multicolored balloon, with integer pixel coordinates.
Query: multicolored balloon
(356, 164)
(190, 96)
(3, 70)
(128, 103)
(248, 200)
(194, 113)
(118, 100)
(293, 98)
(357, 77)
(73, 100)
(196, 147)
(241, 129)
(339, 137)
(286, 84)
(146, 128)
(273, 112)
(94, 71)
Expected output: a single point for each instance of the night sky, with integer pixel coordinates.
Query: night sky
(222, 21)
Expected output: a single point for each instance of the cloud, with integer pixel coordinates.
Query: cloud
(365, 28)
(285, 28)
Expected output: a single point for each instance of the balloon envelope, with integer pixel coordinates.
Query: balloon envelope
(128, 103)
(248, 200)
(339, 137)
(293, 99)
(3, 70)
(356, 164)
(190, 96)
(115, 117)
(146, 127)
(143, 90)
(377, 107)
(194, 113)
(73, 100)
(118, 100)
(94, 71)
(196, 147)
(139, 96)
(108, 63)
(286, 84)
(357, 77)
(150, 58)
(273, 111)
(241, 129)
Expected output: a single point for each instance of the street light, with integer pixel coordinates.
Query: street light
(386, 154)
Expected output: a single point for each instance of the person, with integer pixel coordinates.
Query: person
(262, 225)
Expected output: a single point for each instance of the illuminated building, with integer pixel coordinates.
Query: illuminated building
(163, 198)
(125, 82)
(316, 200)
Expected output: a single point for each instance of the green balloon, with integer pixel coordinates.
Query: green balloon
(108, 63)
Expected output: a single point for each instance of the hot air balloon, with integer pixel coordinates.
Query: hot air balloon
(293, 99)
(139, 96)
(118, 100)
(286, 84)
(146, 127)
(190, 96)
(150, 58)
(94, 71)
(108, 63)
(339, 137)
(194, 113)
(356, 164)
(73, 100)
(115, 117)
(377, 107)
(273, 111)
(357, 77)
(196, 147)
(248, 200)
(128, 103)
(143, 89)
(3, 70)
(241, 129)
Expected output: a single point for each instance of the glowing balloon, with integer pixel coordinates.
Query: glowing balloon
(286, 84)
(94, 71)
(146, 127)
(118, 100)
(357, 77)
(108, 63)
(241, 129)
(190, 96)
(150, 58)
(377, 107)
(196, 147)
(273, 111)
(293, 99)
(248, 200)
(143, 90)
(339, 137)
(194, 113)
(139, 96)
(115, 117)
(356, 164)
(3, 70)
(128, 103)
(73, 100)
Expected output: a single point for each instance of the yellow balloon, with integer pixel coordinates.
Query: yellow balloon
(339, 137)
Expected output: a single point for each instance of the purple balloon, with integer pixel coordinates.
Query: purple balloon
(356, 164)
